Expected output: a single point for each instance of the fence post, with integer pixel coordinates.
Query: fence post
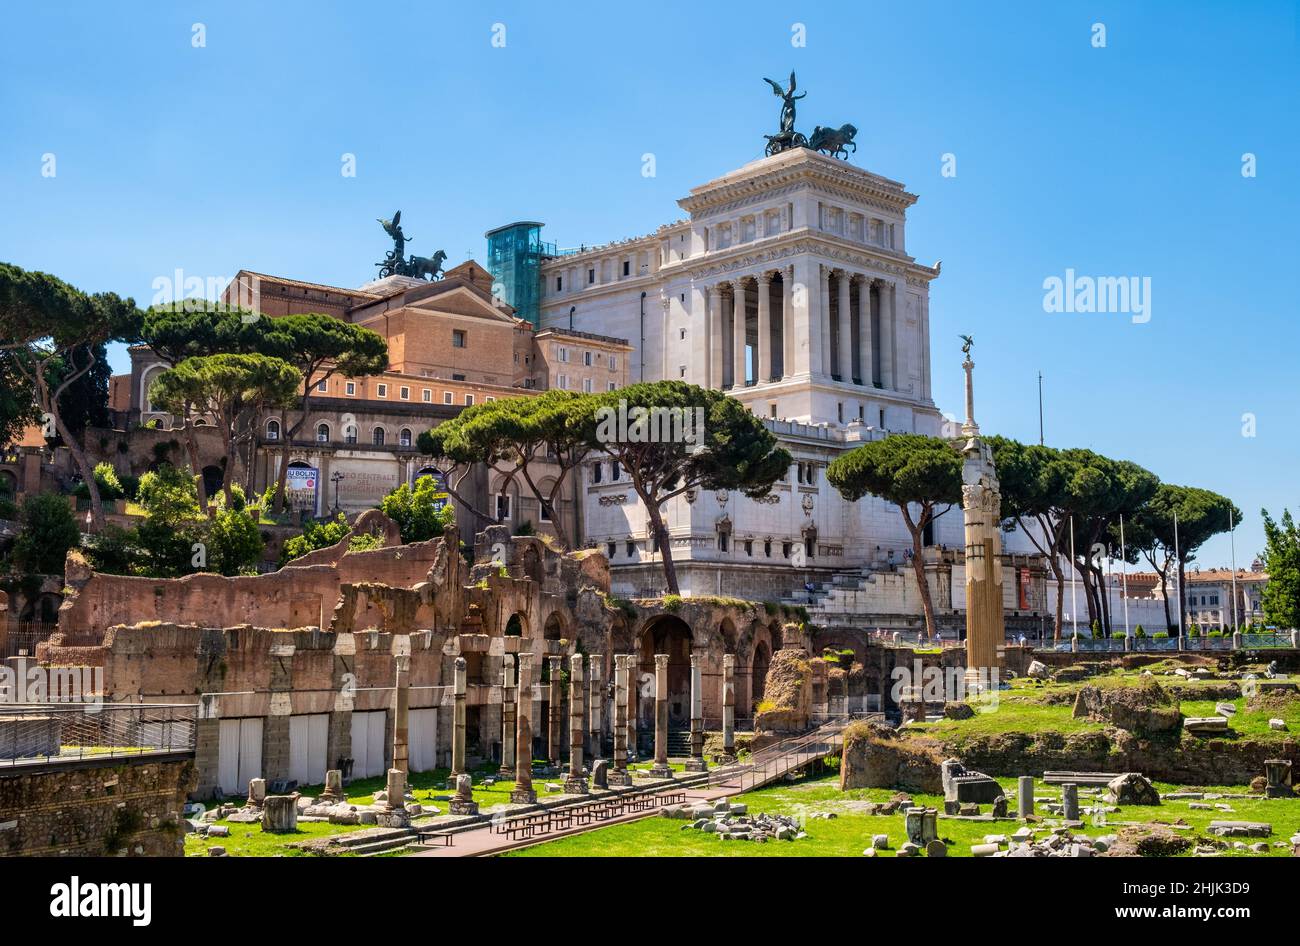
(1236, 640)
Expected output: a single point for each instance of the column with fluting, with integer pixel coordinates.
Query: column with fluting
(523, 793)
(763, 346)
(633, 688)
(738, 307)
(696, 762)
(661, 769)
(402, 714)
(458, 719)
(728, 708)
(555, 712)
(843, 330)
(787, 324)
(620, 775)
(865, 353)
(887, 300)
(827, 366)
(575, 783)
(596, 697)
(508, 698)
(713, 317)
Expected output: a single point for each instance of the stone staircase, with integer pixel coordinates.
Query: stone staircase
(375, 841)
(679, 743)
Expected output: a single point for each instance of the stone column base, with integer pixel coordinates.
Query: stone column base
(394, 818)
(696, 765)
(525, 796)
(506, 772)
(461, 807)
(575, 785)
(621, 777)
(726, 758)
(661, 770)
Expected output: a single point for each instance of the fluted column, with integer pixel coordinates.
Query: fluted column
(729, 708)
(844, 346)
(401, 714)
(523, 793)
(575, 783)
(763, 347)
(738, 334)
(713, 310)
(696, 762)
(823, 323)
(508, 724)
(633, 685)
(555, 714)
(787, 324)
(620, 774)
(661, 769)
(887, 300)
(595, 697)
(864, 331)
(458, 723)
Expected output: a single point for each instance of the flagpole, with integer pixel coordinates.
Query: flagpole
(1232, 542)
(1123, 565)
(1178, 573)
(1074, 601)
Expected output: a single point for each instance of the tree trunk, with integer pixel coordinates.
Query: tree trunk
(922, 580)
(200, 487)
(87, 471)
(1182, 600)
(665, 546)
(1059, 573)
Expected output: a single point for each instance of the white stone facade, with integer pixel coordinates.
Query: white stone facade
(831, 348)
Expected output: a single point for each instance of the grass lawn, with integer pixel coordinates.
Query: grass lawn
(850, 832)
(248, 840)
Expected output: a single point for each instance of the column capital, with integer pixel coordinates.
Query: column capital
(696, 660)
(661, 662)
(765, 277)
(575, 666)
(728, 662)
(524, 661)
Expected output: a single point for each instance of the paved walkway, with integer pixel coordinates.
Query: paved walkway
(484, 842)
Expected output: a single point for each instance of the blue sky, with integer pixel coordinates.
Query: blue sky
(1120, 161)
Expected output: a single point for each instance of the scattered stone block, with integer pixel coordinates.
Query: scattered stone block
(881, 842)
(1132, 788)
(1205, 725)
(280, 814)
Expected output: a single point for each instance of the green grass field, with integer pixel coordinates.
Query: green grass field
(850, 832)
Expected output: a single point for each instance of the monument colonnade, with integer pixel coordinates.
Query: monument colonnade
(849, 317)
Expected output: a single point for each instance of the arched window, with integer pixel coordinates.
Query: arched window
(322, 433)
(272, 430)
(379, 436)
(350, 434)
(404, 437)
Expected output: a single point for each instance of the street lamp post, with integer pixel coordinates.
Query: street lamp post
(335, 478)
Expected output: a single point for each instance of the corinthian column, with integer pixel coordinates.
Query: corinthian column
(787, 324)
(887, 299)
(864, 331)
(981, 510)
(713, 318)
(823, 322)
(555, 714)
(595, 698)
(458, 720)
(401, 714)
(696, 762)
(523, 793)
(575, 784)
(844, 349)
(661, 769)
(620, 775)
(763, 347)
(508, 698)
(728, 708)
(738, 334)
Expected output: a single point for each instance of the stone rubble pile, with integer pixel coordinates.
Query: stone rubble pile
(732, 822)
(1028, 842)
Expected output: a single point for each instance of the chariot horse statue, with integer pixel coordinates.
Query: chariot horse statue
(835, 142)
(396, 262)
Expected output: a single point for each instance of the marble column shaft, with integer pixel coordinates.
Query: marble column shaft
(523, 792)
(728, 704)
(458, 733)
(738, 307)
(596, 696)
(577, 732)
(763, 347)
(843, 331)
(402, 714)
(508, 697)
(865, 355)
(661, 767)
(555, 712)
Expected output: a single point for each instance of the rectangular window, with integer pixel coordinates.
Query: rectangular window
(503, 507)
(404, 393)
(457, 338)
(351, 388)
(613, 362)
(586, 359)
(427, 394)
(722, 541)
(446, 397)
(627, 267)
(322, 386)
(591, 276)
(381, 390)
(489, 399)
(542, 515)
(562, 355)
(587, 386)
(559, 283)
(469, 400)
(562, 382)
(613, 386)
(631, 550)
(611, 547)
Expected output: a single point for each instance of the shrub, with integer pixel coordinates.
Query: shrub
(1194, 630)
(48, 532)
(1160, 636)
(234, 542)
(1139, 631)
(1214, 634)
(672, 603)
(110, 488)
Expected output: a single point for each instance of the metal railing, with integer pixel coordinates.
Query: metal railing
(1200, 642)
(33, 733)
(21, 637)
(780, 758)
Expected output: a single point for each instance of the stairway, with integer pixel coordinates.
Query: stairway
(679, 743)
